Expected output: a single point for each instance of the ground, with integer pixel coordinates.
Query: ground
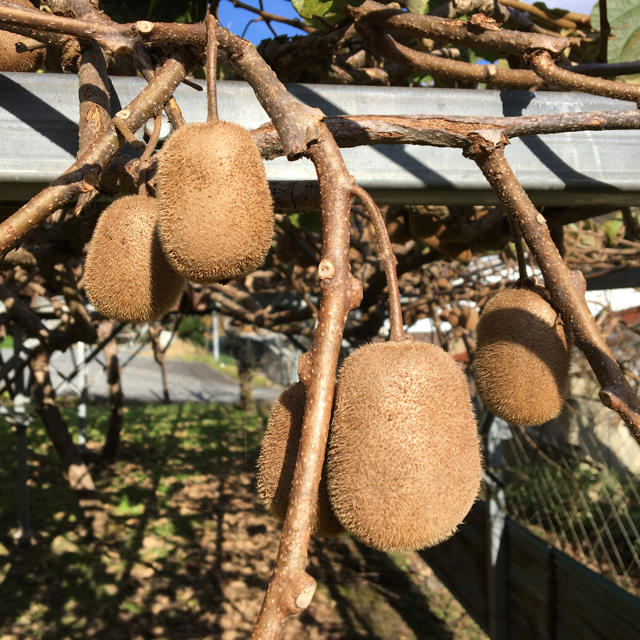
(189, 549)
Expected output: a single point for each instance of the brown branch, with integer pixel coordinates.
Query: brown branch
(444, 131)
(291, 588)
(377, 17)
(118, 42)
(542, 63)
(387, 260)
(62, 190)
(565, 287)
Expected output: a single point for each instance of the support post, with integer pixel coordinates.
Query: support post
(80, 357)
(498, 431)
(24, 534)
(215, 337)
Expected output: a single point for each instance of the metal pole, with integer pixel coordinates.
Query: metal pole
(20, 402)
(80, 352)
(498, 431)
(215, 338)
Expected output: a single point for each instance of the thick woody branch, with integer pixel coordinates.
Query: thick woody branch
(565, 287)
(291, 588)
(542, 63)
(118, 42)
(448, 131)
(86, 168)
(374, 16)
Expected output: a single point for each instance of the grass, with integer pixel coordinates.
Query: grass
(188, 549)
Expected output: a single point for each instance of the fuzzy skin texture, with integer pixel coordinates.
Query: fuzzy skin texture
(216, 212)
(126, 275)
(522, 358)
(404, 463)
(278, 458)
(10, 59)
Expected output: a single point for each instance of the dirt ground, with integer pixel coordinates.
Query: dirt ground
(189, 549)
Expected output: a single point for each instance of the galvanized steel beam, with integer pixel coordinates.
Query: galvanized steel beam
(39, 121)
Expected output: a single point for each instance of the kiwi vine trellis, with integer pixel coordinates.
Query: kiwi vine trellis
(303, 131)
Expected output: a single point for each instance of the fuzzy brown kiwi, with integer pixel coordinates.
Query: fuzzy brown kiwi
(404, 463)
(522, 358)
(216, 212)
(278, 458)
(425, 226)
(126, 275)
(10, 59)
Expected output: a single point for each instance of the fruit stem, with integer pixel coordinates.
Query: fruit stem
(388, 261)
(212, 55)
(146, 156)
(517, 240)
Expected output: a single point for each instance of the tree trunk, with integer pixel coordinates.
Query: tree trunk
(114, 427)
(158, 355)
(76, 470)
(245, 374)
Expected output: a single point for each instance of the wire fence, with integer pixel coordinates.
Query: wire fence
(583, 507)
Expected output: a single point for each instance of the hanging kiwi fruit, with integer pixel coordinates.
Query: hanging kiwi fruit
(277, 461)
(403, 460)
(216, 212)
(404, 463)
(126, 274)
(10, 59)
(522, 357)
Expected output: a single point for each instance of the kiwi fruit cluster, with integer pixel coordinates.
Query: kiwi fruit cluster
(10, 59)
(277, 461)
(216, 212)
(522, 357)
(403, 463)
(127, 276)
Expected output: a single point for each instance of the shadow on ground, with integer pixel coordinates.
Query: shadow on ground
(189, 550)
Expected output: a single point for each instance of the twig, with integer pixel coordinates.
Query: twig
(62, 190)
(265, 15)
(380, 18)
(542, 63)
(387, 260)
(565, 287)
(517, 240)
(605, 31)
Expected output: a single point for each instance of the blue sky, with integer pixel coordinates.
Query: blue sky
(236, 19)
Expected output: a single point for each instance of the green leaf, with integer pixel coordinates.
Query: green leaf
(307, 220)
(309, 9)
(329, 10)
(624, 19)
(417, 6)
(612, 228)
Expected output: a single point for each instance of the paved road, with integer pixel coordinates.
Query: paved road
(141, 380)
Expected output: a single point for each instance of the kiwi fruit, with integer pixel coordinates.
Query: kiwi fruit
(126, 275)
(403, 463)
(522, 358)
(10, 59)
(426, 227)
(277, 461)
(216, 211)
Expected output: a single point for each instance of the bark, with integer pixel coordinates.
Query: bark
(75, 469)
(116, 409)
